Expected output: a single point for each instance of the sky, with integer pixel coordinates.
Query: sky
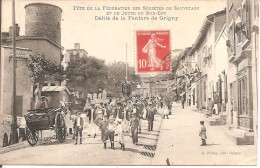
(107, 39)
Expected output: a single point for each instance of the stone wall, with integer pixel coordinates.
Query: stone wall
(43, 20)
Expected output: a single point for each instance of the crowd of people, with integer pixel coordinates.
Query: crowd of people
(121, 117)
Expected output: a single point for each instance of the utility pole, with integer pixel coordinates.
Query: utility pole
(0, 52)
(150, 89)
(126, 62)
(14, 119)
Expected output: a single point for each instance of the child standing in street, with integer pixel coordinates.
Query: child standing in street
(202, 133)
(78, 127)
(111, 130)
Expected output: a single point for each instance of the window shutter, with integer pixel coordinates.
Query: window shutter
(234, 38)
(235, 95)
(247, 19)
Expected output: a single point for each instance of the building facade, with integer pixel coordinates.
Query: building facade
(202, 53)
(42, 37)
(23, 90)
(73, 55)
(242, 31)
(226, 54)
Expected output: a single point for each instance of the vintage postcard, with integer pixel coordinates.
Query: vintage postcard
(129, 83)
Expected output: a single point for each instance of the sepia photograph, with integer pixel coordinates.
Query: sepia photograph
(129, 83)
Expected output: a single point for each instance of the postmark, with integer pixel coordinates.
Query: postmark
(152, 51)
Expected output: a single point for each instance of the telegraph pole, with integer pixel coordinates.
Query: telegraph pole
(0, 51)
(126, 62)
(14, 119)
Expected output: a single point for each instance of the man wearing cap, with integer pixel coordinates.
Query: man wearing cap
(78, 127)
(113, 111)
(120, 110)
(108, 109)
(134, 124)
(111, 130)
(90, 111)
(104, 129)
(150, 117)
(42, 103)
(140, 113)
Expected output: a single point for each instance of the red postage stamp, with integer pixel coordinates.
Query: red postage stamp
(153, 51)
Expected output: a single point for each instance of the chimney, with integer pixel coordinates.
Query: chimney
(11, 30)
(76, 45)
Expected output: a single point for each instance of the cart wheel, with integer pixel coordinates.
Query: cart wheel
(60, 127)
(32, 136)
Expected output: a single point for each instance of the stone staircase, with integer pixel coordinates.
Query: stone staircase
(241, 137)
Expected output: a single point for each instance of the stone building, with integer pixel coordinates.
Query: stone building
(242, 30)
(23, 90)
(42, 31)
(42, 36)
(74, 54)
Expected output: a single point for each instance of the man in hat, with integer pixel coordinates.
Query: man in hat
(111, 130)
(78, 127)
(120, 110)
(139, 111)
(120, 133)
(113, 111)
(183, 98)
(42, 103)
(134, 124)
(104, 130)
(150, 117)
(90, 111)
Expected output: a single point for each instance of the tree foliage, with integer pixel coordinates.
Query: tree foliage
(42, 69)
(91, 75)
(87, 75)
(117, 75)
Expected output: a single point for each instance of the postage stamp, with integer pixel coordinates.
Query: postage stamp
(152, 49)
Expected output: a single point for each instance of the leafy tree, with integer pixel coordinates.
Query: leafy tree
(117, 76)
(43, 70)
(91, 75)
(87, 75)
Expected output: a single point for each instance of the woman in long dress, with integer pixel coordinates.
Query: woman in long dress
(165, 111)
(125, 123)
(95, 120)
(150, 47)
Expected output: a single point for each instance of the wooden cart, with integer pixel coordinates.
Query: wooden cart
(45, 119)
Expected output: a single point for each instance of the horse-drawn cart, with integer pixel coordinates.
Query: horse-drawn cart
(45, 119)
